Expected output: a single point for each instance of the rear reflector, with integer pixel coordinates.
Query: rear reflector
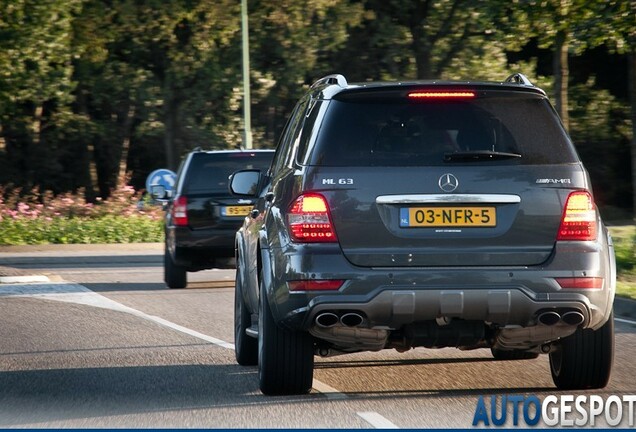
(315, 285)
(580, 282)
(309, 220)
(442, 95)
(180, 211)
(579, 218)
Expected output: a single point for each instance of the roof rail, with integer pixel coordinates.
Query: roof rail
(519, 78)
(331, 79)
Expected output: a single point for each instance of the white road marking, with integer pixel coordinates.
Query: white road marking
(188, 331)
(626, 321)
(327, 390)
(377, 421)
(78, 294)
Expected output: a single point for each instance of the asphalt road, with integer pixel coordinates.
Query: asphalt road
(105, 344)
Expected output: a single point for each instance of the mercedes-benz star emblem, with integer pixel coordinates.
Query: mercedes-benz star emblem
(448, 182)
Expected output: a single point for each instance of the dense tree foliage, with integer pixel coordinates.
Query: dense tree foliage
(97, 92)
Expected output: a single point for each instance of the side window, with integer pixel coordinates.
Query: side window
(315, 112)
(288, 137)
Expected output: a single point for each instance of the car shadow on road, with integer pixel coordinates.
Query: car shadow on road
(399, 362)
(157, 286)
(63, 395)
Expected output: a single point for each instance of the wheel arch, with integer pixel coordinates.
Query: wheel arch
(265, 271)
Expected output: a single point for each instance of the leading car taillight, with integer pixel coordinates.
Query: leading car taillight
(579, 218)
(179, 211)
(309, 220)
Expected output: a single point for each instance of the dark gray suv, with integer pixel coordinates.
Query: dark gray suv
(423, 214)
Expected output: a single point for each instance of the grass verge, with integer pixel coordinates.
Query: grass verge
(104, 229)
(625, 246)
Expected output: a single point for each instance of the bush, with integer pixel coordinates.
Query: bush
(625, 248)
(67, 218)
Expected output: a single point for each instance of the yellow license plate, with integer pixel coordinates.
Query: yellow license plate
(236, 210)
(448, 217)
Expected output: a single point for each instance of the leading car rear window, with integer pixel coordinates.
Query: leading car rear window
(209, 172)
(398, 132)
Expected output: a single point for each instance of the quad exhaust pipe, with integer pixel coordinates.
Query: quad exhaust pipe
(330, 319)
(327, 319)
(573, 318)
(351, 319)
(551, 318)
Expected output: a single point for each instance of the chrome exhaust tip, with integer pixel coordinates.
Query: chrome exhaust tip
(327, 319)
(573, 318)
(549, 318)
(351, 319)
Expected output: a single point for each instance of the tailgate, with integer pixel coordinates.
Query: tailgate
(217, 211)
(495, 216)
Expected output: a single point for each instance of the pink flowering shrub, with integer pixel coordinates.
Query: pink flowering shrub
(37, 218)
(124, 201)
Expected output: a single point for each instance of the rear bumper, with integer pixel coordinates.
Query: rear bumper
(199, 249)
(395, 307)
(389, 298)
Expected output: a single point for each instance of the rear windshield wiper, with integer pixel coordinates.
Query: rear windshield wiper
(479, 155)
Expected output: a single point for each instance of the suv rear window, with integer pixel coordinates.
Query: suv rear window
(363, 131)
(209, 172)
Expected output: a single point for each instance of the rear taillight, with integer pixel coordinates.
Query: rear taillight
(309, 220)
(179, 211)
(579, 218)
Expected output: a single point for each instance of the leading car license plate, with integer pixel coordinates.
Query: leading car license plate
(448, 217)
(236, 210)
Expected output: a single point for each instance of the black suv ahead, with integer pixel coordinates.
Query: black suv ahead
(423, 214)
(202, 217)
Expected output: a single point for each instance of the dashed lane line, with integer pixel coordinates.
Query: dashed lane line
(377, 421)
(327, 390)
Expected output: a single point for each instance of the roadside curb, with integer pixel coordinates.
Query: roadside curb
(23, 279)
(9, 275)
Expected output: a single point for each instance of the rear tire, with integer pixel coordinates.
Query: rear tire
(245, 347)
(512, 354)
(584, 359)
(285, 357)
(175, 276)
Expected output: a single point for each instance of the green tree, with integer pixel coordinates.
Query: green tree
(291, 42)
(36, 86)
(436, 32)
(563, 26)
(155, 78)
(614, 25)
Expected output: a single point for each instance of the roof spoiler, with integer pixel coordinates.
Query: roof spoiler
(338, 79)
(519, 78)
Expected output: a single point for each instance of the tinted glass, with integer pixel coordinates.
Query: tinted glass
(400, 132)
(209, 172)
